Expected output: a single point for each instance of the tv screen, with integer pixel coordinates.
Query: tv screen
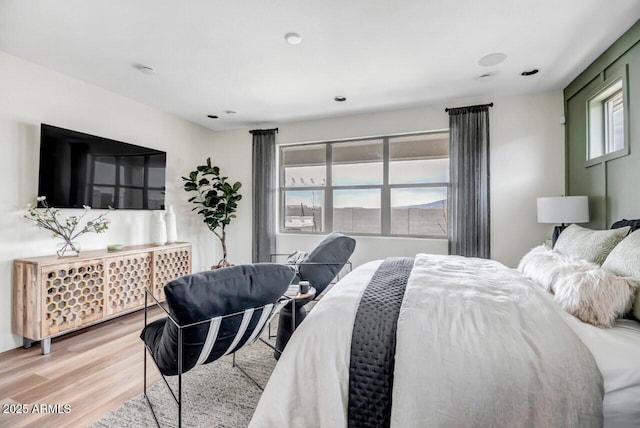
(79, 169)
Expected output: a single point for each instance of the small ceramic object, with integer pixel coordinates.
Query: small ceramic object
(304, 287)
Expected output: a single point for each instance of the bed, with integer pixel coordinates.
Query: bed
(476, 344)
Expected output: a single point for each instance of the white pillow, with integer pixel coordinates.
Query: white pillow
(591, 245)
(624, 260)
(594, 295)
(539, 265)
(542, 265)
(590, 293)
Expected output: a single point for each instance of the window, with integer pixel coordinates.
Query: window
(606, 121)
(303, 175)
(390, 186)
(614, 122)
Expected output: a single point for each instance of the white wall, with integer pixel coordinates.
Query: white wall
(527, 161)
(29, 95)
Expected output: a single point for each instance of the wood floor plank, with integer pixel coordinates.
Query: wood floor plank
(94, 371)
(10, 389)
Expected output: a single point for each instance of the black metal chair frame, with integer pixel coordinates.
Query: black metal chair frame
(177, 397)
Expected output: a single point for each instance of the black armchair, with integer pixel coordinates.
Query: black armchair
(325, 261)
(212, 314)
(319, 268)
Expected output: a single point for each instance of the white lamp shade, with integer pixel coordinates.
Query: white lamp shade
(563, 209)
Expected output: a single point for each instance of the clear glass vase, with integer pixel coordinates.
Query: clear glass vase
(68, 249)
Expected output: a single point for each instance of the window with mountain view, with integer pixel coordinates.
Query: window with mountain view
(390, 186)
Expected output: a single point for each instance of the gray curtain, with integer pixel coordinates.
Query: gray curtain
(264, 194)
(468, 201)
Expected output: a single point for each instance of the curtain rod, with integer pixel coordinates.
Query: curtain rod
(479, 105)
(263, 130)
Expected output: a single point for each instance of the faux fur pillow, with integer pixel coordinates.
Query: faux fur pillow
(594, 295)
(582, 288)
(543, 266)
(624, 260)
(591, 245)
(540, 266)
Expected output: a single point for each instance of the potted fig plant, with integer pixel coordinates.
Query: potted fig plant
(215, 199)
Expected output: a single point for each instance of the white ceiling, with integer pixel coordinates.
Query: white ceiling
(211, 56)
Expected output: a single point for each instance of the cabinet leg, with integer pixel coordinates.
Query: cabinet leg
(45, 346)
(26, 343)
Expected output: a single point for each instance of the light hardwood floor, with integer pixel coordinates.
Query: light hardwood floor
(93, 371)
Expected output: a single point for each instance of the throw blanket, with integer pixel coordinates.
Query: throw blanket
(477, 345)
(373, 345)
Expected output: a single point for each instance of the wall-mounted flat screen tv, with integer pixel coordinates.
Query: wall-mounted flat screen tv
(79, 169)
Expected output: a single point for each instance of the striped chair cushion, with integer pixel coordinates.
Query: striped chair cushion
(235, 304)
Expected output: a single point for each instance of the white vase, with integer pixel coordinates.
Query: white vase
(170, 219)
(158, 229)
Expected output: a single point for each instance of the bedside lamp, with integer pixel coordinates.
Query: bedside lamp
(563, 210)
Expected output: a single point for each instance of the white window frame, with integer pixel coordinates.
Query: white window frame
(385, 188)
(599, 130)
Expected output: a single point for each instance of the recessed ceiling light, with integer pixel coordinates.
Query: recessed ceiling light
(530, 72)
(212, 116)
(492, 59)
(230, 112)
(485, 77)
(145, 69)
(339, 98)
(293, 38)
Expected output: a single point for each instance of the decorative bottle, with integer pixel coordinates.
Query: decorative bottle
(158, 229)
(170, 218)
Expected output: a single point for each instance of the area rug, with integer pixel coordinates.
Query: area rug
(214, 395)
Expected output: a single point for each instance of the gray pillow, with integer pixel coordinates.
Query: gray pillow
(587, 244)
(624, 260)
(326, 260)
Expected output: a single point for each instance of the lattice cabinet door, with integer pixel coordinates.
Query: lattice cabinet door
(73, 295)
(127, 277)
(169, 265)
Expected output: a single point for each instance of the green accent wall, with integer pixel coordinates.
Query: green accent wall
(613, 186)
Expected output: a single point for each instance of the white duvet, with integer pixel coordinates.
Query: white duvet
(477, 345)
(617, 353)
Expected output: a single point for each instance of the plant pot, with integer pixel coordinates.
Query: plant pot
(68, 249)
(222, 264)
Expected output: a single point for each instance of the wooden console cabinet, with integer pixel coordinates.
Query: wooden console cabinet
(54, 296)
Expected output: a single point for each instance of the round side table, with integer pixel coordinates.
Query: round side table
(285, 325)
